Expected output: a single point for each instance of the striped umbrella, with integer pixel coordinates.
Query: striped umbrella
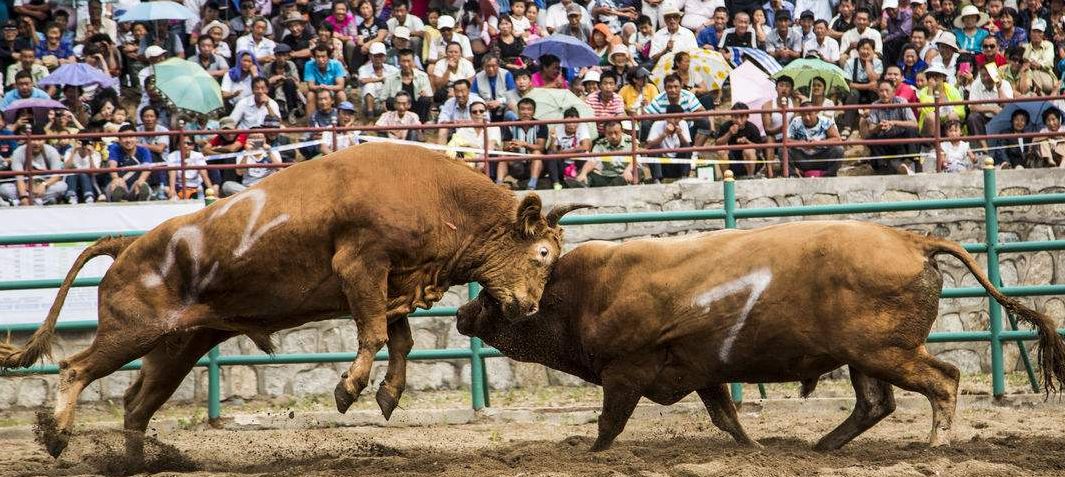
(764, 60)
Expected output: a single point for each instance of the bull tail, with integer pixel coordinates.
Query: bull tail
(40, 344)
(1051, 345)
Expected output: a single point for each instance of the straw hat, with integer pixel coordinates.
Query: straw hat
(938, 68)
(206, 30)
(968, 11)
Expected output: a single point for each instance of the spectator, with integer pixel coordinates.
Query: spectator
(225, 142)
(957, 156)
(1051, 148)
(250, 111)
(333, 45)
(890, 123)
(299, 40)
(740, 130)
(990, 86)
(1009, 35)
(493, 85)
(522, 87)
(131, 185)
(896, 24)
(195, 180)
(938, 86)
(671, 38)
(480, 27)
(911, 63)
(528, 141)
(401, 17)
(742, 35)
(699, 14)
(236, 84)
(61, 122)
(281, 77)
(712, 34)
(948, 50)
(908, 93)
(774, 120)
(568, 138)
(54, 45)
(862, 74)
(401, 40)
(850, 42)
(219, 32)
(520, 23)
(326, 115)
(438, 48)
(968, 31)
(11, 45)
(38, 156)
(638, 92)
(605, 102)
(412, 81)
(324, 77)
(509, 45)
(603, 171)
(256, 151)
(1014, 152)
(279, 23)
(1039, 56)
(558, 14)
(402, 117)
(574, 26)
(26, 62)
(784, 42)
(343, 24)
(472, 136)
(817, 96)
(674, 94)
(249, 11)
(372, 77)
(589, 84)
(991, 53)
(261, 47)
(670, 133)
(550, 74)
(620, 61)
(83, 156)
(213, 63)
(341, 139)
(457, 108)
(370, 30)
(451, 68)
(810, 160)
(919, 39)
(823, 46)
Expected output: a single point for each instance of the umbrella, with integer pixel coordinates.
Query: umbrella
(763, 60)
(752, 87)
(706, 67)
(573, 52)
(40, 107)
(804, 70)
(187, 86)
(551, 103)
(157, 10)
(78, 74)
(1000, 123)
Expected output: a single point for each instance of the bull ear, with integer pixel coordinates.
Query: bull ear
(559, 210)
(529, 218)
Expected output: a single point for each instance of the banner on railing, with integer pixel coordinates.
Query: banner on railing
(42, 261)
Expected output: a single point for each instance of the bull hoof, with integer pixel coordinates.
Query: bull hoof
(386, 401)
(599, 446)
(343, 398)
(57, 444)
(825, 446)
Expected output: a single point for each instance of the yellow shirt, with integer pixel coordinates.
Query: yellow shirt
(631, 97)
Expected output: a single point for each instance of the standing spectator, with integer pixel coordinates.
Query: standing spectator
(990, 86)
(605, 102)
(194, 179)
(528, 141)
(82, 156)
(603, 171)
(774, 120)
(324, 77)
(890, 123)
(670, 133)
(131, 185)
(412, 81)
(250, 111)
(400, 116)
(236, 84)
(811, 160)
(256, 152)
(47, 189)
(740, 130)
(372, 77)
(493, 85)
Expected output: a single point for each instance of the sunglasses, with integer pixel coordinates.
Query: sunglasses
(990, 46)
(477, 111)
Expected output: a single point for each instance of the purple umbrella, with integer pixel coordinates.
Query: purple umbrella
(573, 52)
(38, 105)
(78, 74)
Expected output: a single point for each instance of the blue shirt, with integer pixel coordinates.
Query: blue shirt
(141, 157)
(13, 96)
(333, 70)
(64, 50)
(708, 36)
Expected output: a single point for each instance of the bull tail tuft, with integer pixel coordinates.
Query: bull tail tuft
(1051, 345)
(40, 344)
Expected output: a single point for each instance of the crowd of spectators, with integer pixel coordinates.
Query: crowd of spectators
(402, 63)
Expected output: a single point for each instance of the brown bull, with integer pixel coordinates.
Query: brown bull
(373, 231)
(661, 318)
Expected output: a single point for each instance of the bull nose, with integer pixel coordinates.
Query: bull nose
(533, 310)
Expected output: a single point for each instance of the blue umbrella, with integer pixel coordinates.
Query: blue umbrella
(78, 74)
(157, 10)
(1000, 123)
(573, 52)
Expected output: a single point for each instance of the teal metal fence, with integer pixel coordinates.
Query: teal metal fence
(996, 336)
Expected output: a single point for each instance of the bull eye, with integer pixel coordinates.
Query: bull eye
(544, 253)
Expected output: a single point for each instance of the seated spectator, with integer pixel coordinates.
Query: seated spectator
(991, 53)
(249, 11)
(699, 14)
(457, 108)
(195, 180)
(62, 122)
(1039, 56)
(908, 93)
(219, 32)
(741, 35)
(11, 44)
(849, 43)
(281, 79)
(896, 24)
(589, 84)
(550, 74)
(414, 82)
(372, 76)
(784, 43)
(911, 63)
(528, 141)
(938, 86)
(714, 31)
(326, 115)
(342, 139)
(557, 15)
(324, 77)
(823, 46)
(671, 38)
(574, 27)
(674, 94)
(478, 137)
(620, 62)
(402, 117)
(670, 133)
(604, 102)
(509, 44)
(131, 185)
(948, 50)
(401, 40)
(480, 27)
(343, 24)
(27, 61)
(211, 62)
(517, 19)
(333, 45)
(299, 39)
(225, 142)
(740, 130)
(54, 45)
(862, 74)
(83, 184)
(401, 17)
(250, 111)
(256, 42)
(967, 30)
(278, 22)
(990, 86)
(811, 160)
(448, 35)
(1051, 148)
(601, 171)
(639, 91)
(1010, 35)
(694, 82)
(523, 86)
(46, 189)
(24, 89)
(278, 141)
(447, 70)
(370, 29)
(1021, 75)
(256, 151)
(568, 138)
(957, 156)
(819, 97)
(1014, 152)
(890, 123)
(493, 85)
(236, 84)
(158, 145)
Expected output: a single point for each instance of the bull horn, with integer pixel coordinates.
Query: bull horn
(558, 211)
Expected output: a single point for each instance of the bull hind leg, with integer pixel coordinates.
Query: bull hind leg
(365, 285)
(875, 400)
(400, 343)
(723, 413)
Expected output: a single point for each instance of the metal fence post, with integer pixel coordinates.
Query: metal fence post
(214, 387)
(478, 373)
(730, 223)
(998, 378)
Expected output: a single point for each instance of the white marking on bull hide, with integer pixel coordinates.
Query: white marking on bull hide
(756, 281)
(251, 234)
(192, 236)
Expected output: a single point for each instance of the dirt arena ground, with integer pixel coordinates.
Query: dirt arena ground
(1022, 437)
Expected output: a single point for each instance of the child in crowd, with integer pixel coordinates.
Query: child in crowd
(956, 153)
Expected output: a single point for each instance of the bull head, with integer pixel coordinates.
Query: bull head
(516, 275)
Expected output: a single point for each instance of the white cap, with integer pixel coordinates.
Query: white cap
(889, 4)
(402, 32)
(918, 1)
(445, 21)
(591, 75)
(377, 48)
(153, 51)
(1039, 24)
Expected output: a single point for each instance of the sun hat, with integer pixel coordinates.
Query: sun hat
(445, 21)
(946, 38)
(968, 11)
(377, 48)
(937, 68)
(401, 32)
(215, 24)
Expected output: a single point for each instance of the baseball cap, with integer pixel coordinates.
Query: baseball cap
(377, 48)
(1039, 24)
(282, 48)
(10, 24)
(573, 9)
(402, 32)
(591, 75)
(346, 106)
(154, 51)
(271, 122)
(445, 21)
(227, 123)
(806, 14)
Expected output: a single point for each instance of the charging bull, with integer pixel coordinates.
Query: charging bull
(373, 231)
(661, 318)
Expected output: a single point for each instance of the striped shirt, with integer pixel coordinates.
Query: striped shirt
(688, 101)
(614, 107)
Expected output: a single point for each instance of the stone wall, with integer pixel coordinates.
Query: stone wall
(1018, 223)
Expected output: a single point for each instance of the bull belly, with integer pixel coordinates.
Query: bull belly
(678, 380)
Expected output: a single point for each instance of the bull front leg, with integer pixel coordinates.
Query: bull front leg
(365, 285)
(400, 343)
(620, 396)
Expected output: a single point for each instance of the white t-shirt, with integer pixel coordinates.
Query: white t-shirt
(92, 161)
(957, 156)
(192, 176)
(521, 24)
(465, 70)
(571, 141)
(673, 140)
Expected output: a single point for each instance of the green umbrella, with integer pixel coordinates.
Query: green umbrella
(187, 86)
(551, 103)
(804, 70)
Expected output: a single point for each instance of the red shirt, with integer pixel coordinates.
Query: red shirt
(908, 94)
(1000, 59)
